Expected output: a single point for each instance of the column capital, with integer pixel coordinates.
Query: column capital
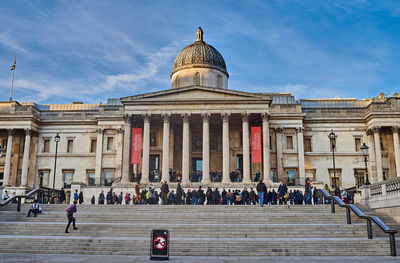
(376, 129)
(10, 132)
(225, 116)
(185, 117)
(205, 116)
(99, 130)
(128, 118)
(28, 131)
(166, 117)
(278, 129)
(245, 117)
(265, 116)
(146, 117)
(395, 128)
(300, 129)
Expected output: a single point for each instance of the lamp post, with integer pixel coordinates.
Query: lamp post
(364, 149)
(57, 140)
(332, 138)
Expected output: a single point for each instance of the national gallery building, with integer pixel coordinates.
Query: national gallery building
(199, 132)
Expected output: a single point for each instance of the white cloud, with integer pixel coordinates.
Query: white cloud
(10, 43)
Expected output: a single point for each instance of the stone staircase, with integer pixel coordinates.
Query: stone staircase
(194, 231)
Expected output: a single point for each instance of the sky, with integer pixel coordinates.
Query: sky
(90, 51)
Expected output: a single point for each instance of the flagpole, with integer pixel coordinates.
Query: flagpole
(12, 84)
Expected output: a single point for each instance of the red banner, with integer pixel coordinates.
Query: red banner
(136, 149)
(256, 144)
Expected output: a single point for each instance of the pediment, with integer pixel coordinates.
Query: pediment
(194, 94)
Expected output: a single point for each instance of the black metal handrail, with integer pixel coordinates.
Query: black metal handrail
(19, 197)
(360, 214)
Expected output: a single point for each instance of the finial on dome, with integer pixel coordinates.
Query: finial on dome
(199, 34)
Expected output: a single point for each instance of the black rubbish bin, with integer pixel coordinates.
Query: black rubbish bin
(159, 244)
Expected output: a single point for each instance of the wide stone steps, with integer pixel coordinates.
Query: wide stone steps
(200, 246)
(195, 231)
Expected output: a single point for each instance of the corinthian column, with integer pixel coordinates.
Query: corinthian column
(165, 153)
(126, 148)
(146, 148)
(279, 154)
(266, 147)
(246, 148)
(378, 154)
(99, 156)
(7, 166)
(225, 148)
(25, 162)
(300, 152)
(206, 148)
(396, 149)
(185, 149)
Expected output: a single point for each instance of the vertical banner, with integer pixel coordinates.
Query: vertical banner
(256, 144)
(136, 149)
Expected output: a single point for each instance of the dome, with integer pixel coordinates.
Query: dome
(199, 55)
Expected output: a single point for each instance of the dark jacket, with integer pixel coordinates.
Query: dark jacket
(261, 187)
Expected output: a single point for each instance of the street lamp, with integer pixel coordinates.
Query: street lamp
(364, 149)
(332, 138)
(57, 140)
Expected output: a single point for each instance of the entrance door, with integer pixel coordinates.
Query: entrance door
(154, 166)
(197, 169)
(239, 162)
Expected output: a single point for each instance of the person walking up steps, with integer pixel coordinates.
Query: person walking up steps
(70, 215)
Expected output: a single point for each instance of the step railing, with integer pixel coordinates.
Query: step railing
(382, 226)
(19, 198)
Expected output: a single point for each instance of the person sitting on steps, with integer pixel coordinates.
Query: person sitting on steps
(35, 209)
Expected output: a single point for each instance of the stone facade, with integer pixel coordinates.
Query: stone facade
(198, 125)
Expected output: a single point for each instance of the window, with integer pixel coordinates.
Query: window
(153, 139)
(197, 79)
(307, 145)
(311, 175)
(289, 142)
(382, 145)
(108, 176)
(291, 176)
(110, 143)
(357, 143)
(338, 175)
(67, 175)
(359, 177)
(70, 145)
(46, 145)
(177, 82)
(93, 145)
(1, 178)
(272, 174)
(91, 177)
(44, 177)
(219, 81)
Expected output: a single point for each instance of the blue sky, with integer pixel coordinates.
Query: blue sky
(92, 50)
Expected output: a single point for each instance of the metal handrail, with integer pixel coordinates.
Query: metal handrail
(360, 214)
(19, 197)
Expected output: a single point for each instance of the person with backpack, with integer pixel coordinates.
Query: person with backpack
(261, 189)
(70, 215)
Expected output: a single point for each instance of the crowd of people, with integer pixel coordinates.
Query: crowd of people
(208, 196)
(175, 176)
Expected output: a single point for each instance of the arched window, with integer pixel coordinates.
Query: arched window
(177, 82)
(219, 81)
(197, 79)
